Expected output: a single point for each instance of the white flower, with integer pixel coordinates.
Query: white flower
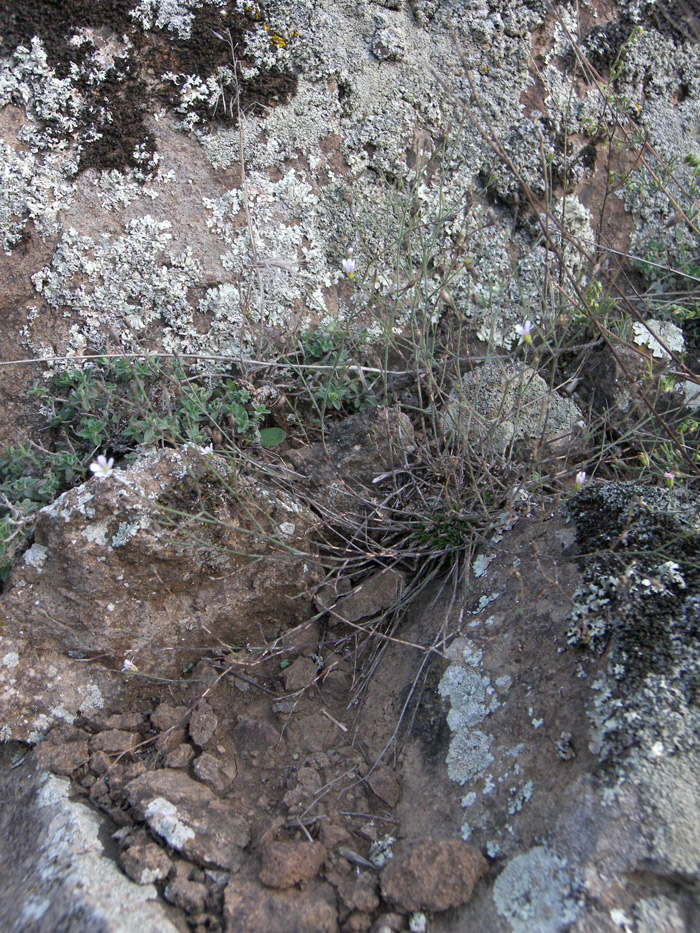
(102, 467)
(524, 331)
(128, 666)
(581, 478)
(349, 265)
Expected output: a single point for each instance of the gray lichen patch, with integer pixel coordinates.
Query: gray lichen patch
(534, 892)
(472, 699)
(128, 281)
(88, 74)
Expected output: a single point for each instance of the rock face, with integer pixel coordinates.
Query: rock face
(139, 211)
(111, 573)
(189, 817)
(570, 711)
(53, 862)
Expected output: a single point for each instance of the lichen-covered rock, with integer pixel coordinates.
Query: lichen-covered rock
(57, 874)
(498, 405)
(189, 817)
(125, 570)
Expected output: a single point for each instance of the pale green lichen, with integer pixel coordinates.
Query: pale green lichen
(125, 282)
(177, 16)
(472, 699)
(533, 892)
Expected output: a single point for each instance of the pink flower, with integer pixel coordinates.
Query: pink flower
(581, 478)
(349, 265)
(524, 331)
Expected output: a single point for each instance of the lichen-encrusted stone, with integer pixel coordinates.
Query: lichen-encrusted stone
(189, 817)
(56, 874)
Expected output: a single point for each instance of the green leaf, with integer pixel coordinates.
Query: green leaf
(271, 437)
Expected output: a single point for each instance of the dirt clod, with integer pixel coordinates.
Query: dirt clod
(432, 875)
(286, 862)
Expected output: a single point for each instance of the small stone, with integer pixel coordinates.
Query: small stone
(131, 722)
(169, 740)
(99, 789)
(250, 907)
(432, 875)
(357, 922)
(100, 763)
(383, 783)
(121, 774)
(167, 716)
(116, 814)
(329, 593)
(374, 595)
(114, 742)
(388, 923)
(190, 896)
(203, 723)
(300, 674)
(337, 682)
(145, 864)
(251, 735)
(302, 639)
(358, 892)
(180, 757)
(214, 774)
(333, 835)
(189, 817)
(286, 862)
(60, 756)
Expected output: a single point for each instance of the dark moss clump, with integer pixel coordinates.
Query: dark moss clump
(426, 713)
(632, 536)
(112, 130)
(639, 553)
